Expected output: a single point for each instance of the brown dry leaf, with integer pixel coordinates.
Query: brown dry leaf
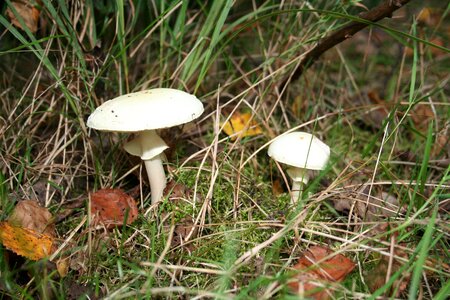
(277, 187)
(377, 109)
(177, 192)
(241, 125)
(28, 11)
(421, 115)
(25, 242)
(371, 208)
(376, 278)
(29, 214)
(110, 206)
(441, 144)
(315, 274)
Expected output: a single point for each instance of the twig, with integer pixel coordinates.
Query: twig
(384, 10)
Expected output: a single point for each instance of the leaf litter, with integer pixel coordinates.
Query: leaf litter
(315, 272)
(111, 207)
(28, 11)
(367, 206)
(241, 125)
(29, 231)
(25, 242)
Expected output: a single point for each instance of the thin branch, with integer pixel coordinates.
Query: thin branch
(384, 10)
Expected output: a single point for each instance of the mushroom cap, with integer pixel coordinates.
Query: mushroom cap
(146, 110)
(301, 150)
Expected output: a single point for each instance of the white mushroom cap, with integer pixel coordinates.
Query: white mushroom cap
(146, 110)
(301, 150)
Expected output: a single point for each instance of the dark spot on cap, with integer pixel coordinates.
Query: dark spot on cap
(112, 111)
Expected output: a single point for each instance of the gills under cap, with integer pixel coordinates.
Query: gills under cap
(146, 110)
(301, 150)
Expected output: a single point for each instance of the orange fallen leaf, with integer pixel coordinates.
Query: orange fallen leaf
(314, 273)
(29, 214)
(25, 242)
(241, 125)
(429, 16)
(110, 206)
(28, 11)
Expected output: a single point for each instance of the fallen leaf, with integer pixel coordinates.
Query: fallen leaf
(374, 109)
(28, 11)
(29, 214)
(376, 277)
(62, 265)
(315, 273)
(435, 51)
(241, 125)
(422, 115)
(75, 290)
(441, 144)
(25, 242)
(277, 187)
(110, 206)
(177, 191)
(370, 208)
(429, 16)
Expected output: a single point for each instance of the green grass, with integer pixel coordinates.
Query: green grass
(234, 57)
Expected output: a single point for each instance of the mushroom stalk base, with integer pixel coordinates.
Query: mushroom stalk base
(299, 178)
(296, 191)
(156, 176)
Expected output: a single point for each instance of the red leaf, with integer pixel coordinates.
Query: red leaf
(314, 273)
(110, 206)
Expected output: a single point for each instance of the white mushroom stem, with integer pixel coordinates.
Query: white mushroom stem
(150, 146)
(299, 178)
(156, 177)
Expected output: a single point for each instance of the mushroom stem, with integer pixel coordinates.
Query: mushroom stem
(150, 146)
(296, 191)
(156, 177)
(299, 178)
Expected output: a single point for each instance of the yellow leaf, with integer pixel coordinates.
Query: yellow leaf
(62, 265)
(241, 125)
(25, 242)
(429, 16)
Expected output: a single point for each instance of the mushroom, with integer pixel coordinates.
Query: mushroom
(144, 112)
(302, 151)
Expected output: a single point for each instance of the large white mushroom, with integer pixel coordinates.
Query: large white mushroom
(144, 112)
(302, 151)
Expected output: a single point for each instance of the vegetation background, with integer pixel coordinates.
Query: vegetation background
(227, 230)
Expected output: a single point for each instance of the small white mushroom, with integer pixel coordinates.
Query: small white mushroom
(302, 151)
(144, 112)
